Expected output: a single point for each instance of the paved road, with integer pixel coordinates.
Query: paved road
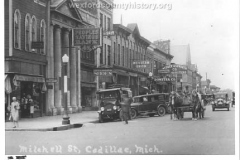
(213, 135)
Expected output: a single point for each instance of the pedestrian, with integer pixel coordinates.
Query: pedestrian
(125, 105)
(14, 112)
(31, 108)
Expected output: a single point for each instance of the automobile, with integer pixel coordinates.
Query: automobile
(149, 104)
(109, 103)
(220, 101)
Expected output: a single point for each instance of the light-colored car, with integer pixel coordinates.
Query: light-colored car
(220, 101)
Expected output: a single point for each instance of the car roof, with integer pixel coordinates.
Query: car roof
(154, 94)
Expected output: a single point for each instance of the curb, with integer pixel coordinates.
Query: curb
(59, 128)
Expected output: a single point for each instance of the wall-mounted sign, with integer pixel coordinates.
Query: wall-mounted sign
(37, 45)
(86, 36)
(51, 80)
(103, 72)
(166, 79)
(179, 72)
(108, 33)
(163, 71)
(141, 64)
(175, 67)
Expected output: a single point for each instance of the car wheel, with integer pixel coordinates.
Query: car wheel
(151, 115)
(100, 119)
(161, 111)
(133, 113)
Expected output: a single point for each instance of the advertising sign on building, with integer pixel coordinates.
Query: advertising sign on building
(173, 79)
(163, 71)
(108, 33)
(103, 72)
(141, 64)
(86, 36)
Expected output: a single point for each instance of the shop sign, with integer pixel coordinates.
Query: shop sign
(37, 45)
(141, 64)
(179, 72)
(108, 33)
(86, 36)
(166, 79)
(176, 67)
(103, 72)
(163, 71)
(51, 80)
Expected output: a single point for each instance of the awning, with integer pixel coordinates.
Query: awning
(29, 78)
(86, 84)
(8, 87)
(119, 72)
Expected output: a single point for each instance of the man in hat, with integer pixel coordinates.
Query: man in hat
(125, 105)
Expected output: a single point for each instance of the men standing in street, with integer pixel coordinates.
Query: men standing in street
(125, 105)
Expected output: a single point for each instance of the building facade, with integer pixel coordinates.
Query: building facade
(25, 65)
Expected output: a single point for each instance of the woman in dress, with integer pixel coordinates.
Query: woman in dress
(15, 111)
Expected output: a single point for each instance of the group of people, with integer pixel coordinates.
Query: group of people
(27, 109)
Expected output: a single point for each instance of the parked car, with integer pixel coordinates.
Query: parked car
(150, 104)
(109, 103)
(220, 101)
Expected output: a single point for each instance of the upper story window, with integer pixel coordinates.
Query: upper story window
(34, 31)
(17, 29)
(101, 20)
(27, 32)
(43, 36)
(108, 24)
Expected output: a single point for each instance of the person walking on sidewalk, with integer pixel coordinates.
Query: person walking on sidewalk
(125, 105)
(14, 112)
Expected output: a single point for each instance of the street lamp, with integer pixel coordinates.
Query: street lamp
(150, 78)
(65, 60)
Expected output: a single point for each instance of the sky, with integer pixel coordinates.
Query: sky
(210, 27)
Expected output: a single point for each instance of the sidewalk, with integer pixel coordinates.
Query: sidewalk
(53, 123)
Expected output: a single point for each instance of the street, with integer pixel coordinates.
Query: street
(213, 135)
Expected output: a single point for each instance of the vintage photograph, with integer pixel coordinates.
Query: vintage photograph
(121, 77)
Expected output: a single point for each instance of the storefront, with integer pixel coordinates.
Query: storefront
(29, 91)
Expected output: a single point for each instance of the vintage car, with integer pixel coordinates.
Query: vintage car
(220, 101)
(149, 104)
(109, 103)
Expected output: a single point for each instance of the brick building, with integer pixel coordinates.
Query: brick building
(25, 66)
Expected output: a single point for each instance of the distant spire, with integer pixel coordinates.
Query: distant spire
(121, 19)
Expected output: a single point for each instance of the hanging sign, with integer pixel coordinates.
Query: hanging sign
(141, 64)
(86, 36)
(103, 72)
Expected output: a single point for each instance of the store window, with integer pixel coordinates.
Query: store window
(27, 32)
(17, 29)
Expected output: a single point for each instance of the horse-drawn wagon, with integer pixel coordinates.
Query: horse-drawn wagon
(181, 102)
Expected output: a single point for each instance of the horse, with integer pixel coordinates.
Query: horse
(184, 99)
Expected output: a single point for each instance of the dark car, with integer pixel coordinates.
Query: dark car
(150, 104)
(109, 102)
(220, 101)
